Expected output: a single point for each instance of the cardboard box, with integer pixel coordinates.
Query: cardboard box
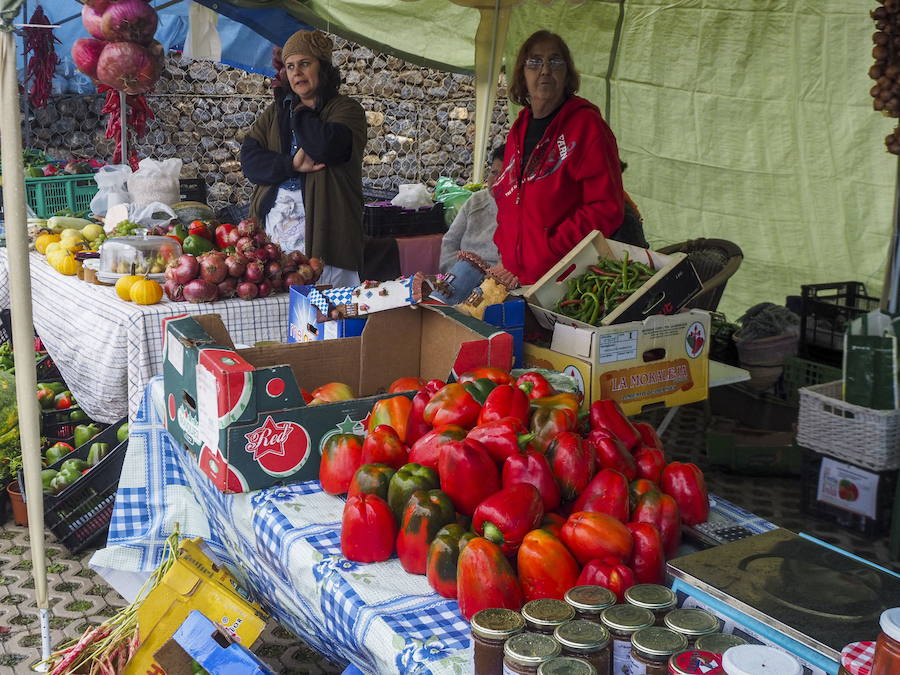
(666, 292)
(661, 360)
(241, 413)
(199, 639)
(186, 587)
(306, 322)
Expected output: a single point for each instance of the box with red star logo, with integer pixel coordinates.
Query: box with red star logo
(241, 413)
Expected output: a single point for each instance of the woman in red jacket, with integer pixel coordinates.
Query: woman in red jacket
(561, 177)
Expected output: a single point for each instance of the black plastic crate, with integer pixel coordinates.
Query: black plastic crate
(826, 313)
(192, 190)
(47, 370)
(385, 220)
(58, 423)
(869, 527)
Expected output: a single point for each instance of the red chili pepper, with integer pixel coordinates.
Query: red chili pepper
(341, 457)
(596, 535)
(501, 438)
(425, 514)
(383, 446)
(495, 375)
(611, 453)
(662, 511)
(685, 483)
(650, 463)
(443, 558)
(485, 579)
(547, 423)
(609, 572)
(371, 479)
(648, 561)
(534, 385)
(508, 515)
(648, 435)
(468, 474)
(532, 467)
(452, 404)
(504, 401)
(368, 529)
(607, 414)
(222, 235)
(606, 493)
(546, 567)
(572, 463)
(427, 450)
(394, 412)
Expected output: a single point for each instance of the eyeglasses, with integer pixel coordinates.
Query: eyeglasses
(538, 63)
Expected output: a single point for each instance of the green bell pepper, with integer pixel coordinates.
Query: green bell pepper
(77, 415)
(195, 245)
(97, 452)
(409, 478)
(74, 464)
(57, 451)
(85, 432)
(47, 475)
(122, 433)
(59, 483)
(55, 387)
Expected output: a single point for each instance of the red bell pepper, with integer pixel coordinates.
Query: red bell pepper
(368, 529)
(443, 558)
(409, 478)
(565, 400)
(452, 404)
(661, 510)
(640, 486)
(546, 567)
(501, 438)
(371, 479)
(606, 493)
(504, 401)
(596, 535)
(609, 572)
(222, 232)
(383, 446)
(648, 561)
(547, 423)
(425, 514)
(394, 412)
(650, 463)
(572, 463)
(611, 453)
(407, 384)
(553, 522)
(607, 414)
(508, 515)
(427, 450)
(341, 457)
(648, 435)
(485, 579)
(532, 467)
(685, 483)
(468, 474)
(495, 375)
(416, 426)
(200, 229)
(534, 385)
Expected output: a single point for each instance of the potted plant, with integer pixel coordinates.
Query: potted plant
(10, 463)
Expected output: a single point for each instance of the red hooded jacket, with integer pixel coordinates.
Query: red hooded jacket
(571, 186)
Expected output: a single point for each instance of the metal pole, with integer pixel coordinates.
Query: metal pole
(123, 120)
(890, 293)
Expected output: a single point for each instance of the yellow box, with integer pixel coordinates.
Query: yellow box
(192, 583)
(579, 369)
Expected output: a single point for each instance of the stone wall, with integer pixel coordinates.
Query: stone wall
(421, 121)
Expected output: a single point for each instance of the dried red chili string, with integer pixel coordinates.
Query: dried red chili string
(137, 118)
(42, 64)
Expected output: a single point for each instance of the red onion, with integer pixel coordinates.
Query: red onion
(243, 243)
(265, 289)
(185, 269)
(86, 53)
(129, 21)
(299, 257)
(261, 239)
(236, 265)
(260, 254)
(247, 227)
(306, 273)
(273, 270)
(174, 290)
(247, 290)
(317, 267)
(199, 290)
(274, 251)
(254, 272)
(227, 288)
(212, 267)
(287, 265)
(293, 279)
(92, 18)
(231, 239)
(128, 67)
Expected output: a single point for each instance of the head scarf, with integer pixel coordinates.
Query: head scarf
(309, 42)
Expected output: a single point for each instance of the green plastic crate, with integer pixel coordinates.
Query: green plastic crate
(799, 373)
(47, 196)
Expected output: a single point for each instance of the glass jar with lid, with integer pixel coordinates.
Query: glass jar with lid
(144, 254)
(753, 659)
(523, 653)
(658, 599)
(692, 623)
(695, 662)
(586, 640)
(651, 648)
(887, 646)
(718, 643)
(490, 629)
(545, 614)
(623, 621)
(566, 665)
(589, 600)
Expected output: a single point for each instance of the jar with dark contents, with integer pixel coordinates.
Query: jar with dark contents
(658, 599)
(589, 600)
(545, 614)
(623, 621)
(718, 643)
(566, 665)
(651, 649)
(490, 629)
(586, 640)
(523, 653)
(692, 623)
(695, 662)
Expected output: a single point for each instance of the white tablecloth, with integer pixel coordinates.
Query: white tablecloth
(108, 349)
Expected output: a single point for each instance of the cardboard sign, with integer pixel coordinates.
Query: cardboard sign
(848, 487)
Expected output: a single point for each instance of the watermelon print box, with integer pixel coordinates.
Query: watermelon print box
(240, 412)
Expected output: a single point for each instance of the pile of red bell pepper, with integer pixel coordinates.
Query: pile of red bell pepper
(502, 490)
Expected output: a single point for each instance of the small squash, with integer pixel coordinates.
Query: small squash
(146, 292)
(124, 284)
(68, 265)
(44, 240)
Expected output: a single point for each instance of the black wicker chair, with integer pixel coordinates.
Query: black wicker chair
(715, 260)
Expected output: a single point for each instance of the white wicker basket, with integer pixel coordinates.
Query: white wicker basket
(862, 436)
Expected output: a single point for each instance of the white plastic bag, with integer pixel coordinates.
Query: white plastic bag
(111, 180)
(155, 181)
(413, 196)
(152, 214)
